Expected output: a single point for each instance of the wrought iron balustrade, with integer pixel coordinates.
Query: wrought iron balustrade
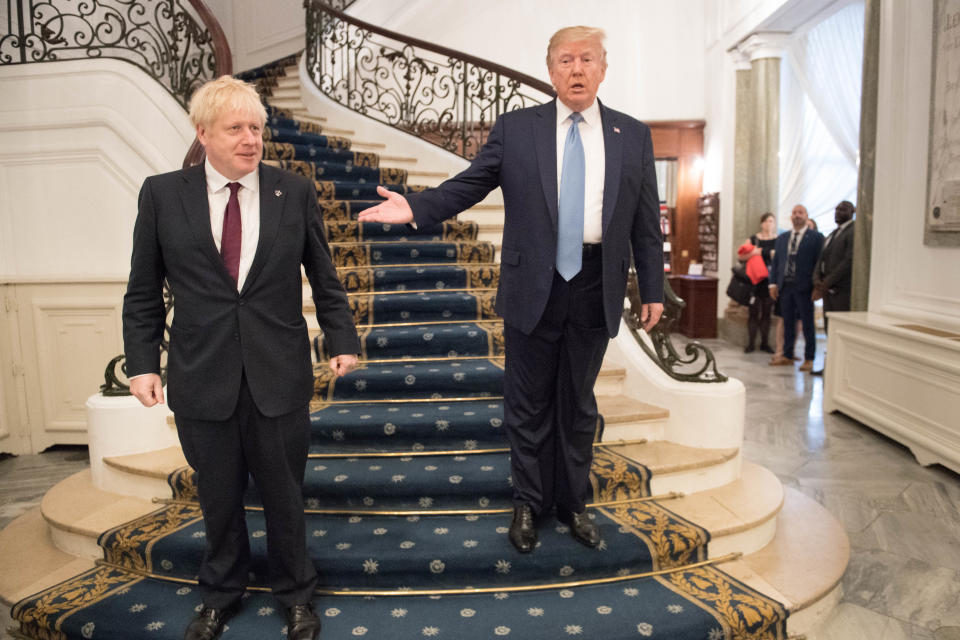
(177, 42)
(443, 96)
(661, 348)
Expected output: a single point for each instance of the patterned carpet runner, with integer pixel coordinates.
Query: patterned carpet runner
(408, 486)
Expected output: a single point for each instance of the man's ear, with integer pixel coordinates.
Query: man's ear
(202, 134)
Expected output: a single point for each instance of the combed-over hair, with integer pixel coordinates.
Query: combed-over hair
(224, 94)
(572, 34)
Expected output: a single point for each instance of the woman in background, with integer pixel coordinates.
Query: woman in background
(762, 304)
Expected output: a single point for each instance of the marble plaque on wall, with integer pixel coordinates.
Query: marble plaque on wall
(942, 226)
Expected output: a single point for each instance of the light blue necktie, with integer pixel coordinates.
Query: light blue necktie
(570, 224)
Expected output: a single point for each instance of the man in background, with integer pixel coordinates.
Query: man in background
(791, 282)
(833, 274)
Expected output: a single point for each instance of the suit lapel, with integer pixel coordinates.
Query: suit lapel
(271, 210)
(196, 207)
(545, 142)
(613, 162)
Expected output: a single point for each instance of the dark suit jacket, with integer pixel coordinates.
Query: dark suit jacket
(520, 156)
(217, 332)
(807, 254)
(834, 269)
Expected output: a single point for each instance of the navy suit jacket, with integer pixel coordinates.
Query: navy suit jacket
(520, 156)
(807, 254)
(217, 332)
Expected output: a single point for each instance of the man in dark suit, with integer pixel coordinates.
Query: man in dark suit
(580, 199)
(230, 237)
(833, 274)
(791, 281)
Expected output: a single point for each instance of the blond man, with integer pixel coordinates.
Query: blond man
(580, 199)
(230, 237)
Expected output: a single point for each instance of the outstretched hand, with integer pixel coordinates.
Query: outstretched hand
(396, 209)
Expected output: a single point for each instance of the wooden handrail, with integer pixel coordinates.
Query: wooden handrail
(221, 48)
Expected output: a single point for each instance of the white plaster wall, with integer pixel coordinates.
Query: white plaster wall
(258, 31)
(76, 141)
(655, 49)
(907, 278)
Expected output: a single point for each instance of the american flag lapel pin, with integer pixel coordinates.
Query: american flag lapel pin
(278, 193)
(616, 129)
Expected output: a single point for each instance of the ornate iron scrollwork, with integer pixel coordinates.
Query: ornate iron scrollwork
(663, 352)
(165, 38)
(447, 99)
(116, 371)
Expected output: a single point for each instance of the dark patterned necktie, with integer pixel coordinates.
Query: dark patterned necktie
(791, 271)
(230, 240)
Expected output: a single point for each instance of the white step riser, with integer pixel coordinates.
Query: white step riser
(746, 541)
(76, 544)
(806, 620)
(283, 93)
(609, 385)
(641, 430)
(691, 481)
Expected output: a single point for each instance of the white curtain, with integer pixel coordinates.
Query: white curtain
(820, 116)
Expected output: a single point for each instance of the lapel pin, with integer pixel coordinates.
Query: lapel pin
(278, 193)
(616, 129)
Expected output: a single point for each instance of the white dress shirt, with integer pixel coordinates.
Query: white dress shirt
(591, 134)
(218, 194)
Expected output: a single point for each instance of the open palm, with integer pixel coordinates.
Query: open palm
(395, 210)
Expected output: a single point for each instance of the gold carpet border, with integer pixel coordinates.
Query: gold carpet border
(429, 512)
(453, 452)
(715, 592)
(127, 540)
(493, 321)
(463, 591)
(68, 598)
(467, 265)
(419, 291)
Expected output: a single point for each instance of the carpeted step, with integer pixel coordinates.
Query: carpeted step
(352, 231)
(421, 425)
(440, 551)
(411, 252)
(338, 170)
(419, 278)
(701, 603)
(426, 341)
(380, 382)
(301, 139)
(359, 189)
(419, 307)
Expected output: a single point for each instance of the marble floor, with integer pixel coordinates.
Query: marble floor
(903, 520)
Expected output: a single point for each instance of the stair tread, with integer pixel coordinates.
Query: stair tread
(153, 464)
(75, 505)
(620, 408)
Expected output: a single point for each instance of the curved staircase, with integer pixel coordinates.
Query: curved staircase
(407, 486)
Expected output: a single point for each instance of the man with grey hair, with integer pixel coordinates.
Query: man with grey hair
(230, 236)
(580, 200)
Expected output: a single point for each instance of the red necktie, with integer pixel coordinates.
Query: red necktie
(230, 240)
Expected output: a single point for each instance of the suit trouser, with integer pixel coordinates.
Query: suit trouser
(549, 406)
(796, 303)
(273, 450)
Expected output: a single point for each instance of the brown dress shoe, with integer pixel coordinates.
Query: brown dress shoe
(806, 366)
(209, 623)
(582, 529)
(302, 623)
(779, 361)
(523, 532)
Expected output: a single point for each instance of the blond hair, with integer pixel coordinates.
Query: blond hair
(573, 34)
(224, 94)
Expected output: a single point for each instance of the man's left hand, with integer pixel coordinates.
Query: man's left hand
(650, 314)
(343, 364)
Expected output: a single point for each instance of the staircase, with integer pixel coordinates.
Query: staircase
(407, 486)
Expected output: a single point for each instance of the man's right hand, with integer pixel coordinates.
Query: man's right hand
(774, 292)
(148, 389)
(395, 210)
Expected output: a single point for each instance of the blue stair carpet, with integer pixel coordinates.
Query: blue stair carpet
(407, 490)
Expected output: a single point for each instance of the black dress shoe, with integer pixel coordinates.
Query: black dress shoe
(817, 372)
(582, 529)
(767, 348)
(749, 349)
(302, 623)
(523, 533)
(208, 624)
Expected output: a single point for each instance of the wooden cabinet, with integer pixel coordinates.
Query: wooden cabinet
(699, 317)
